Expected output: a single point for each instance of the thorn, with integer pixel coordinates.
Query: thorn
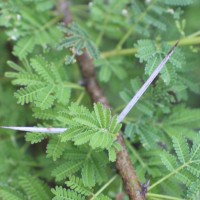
(144, 187)
(36, 129)
(173, 48)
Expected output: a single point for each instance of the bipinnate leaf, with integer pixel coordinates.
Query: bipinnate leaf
(55, 148)
(98, 128)
(88, 174)
(34, 188)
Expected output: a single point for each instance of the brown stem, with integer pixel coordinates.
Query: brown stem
(123, 163)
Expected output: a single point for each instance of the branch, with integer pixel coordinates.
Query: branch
(193, 39)
(123, 163)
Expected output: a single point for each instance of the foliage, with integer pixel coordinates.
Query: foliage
(77, 40)
(32, 188)
(39, 54)
(44, 84)
(185, 166)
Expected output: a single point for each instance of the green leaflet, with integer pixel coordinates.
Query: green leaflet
(83, 137)
(28, 94)
(24, 47)
(101, 115)
(55, 148)
(100, 140)
(88, 173)
(182, 153)
(66, 169)
(112, 154)
(169, 161)
(70, 133)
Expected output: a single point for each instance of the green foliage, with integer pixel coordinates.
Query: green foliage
(77, 40)
(34, 188)
(82, 159)
(29, 26)
(178, 2)
(35, 137)
(109, 67)
(185, 165)
(77, 185)
(42, 85)
(55, 148)
(78, 192)
(97, 128)
(61, 194)
(161, 132)
(152, 55)
(12, 168)
(9, 193)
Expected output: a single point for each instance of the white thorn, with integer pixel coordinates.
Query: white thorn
(36, 129)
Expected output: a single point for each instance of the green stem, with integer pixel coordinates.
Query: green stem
(130, 51)
(194, 34)
(163, 196)
(80, 97)
(126, 36)
(104, 187)
(121, 52)
(169, 175)
(73, 86)
(187, 41)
